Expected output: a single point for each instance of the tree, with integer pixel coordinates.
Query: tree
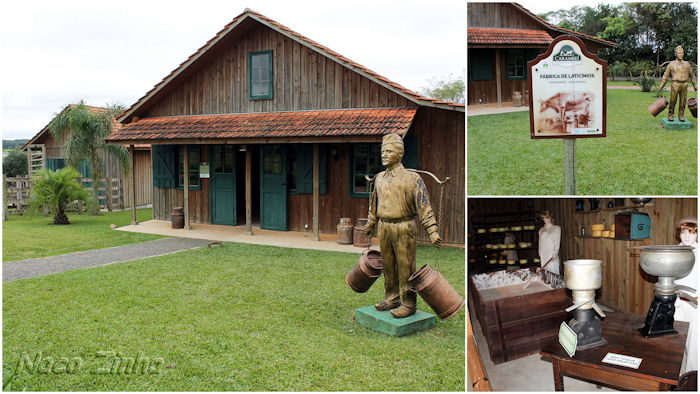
(15, 163)
(55, 190)
(448, 88)
(88, 128)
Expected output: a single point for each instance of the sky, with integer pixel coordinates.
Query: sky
(53, 53)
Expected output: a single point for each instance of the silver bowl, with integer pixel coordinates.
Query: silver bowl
(667, 260)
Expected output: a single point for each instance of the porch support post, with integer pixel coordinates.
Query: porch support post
(316, 236)
(249, 191)
(132, 184)
(186, 186)
(498, 76)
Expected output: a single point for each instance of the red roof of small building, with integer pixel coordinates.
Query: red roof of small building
(492, 35)
(322, 123)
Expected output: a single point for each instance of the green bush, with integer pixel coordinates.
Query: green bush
(15, 163)
(645, 81)
(54, 190)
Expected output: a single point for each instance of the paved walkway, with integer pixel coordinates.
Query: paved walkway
(21, 269)
(285, 239)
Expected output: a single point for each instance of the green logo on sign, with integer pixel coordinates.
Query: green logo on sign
(567, 54)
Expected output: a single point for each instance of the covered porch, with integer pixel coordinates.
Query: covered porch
(224, 233)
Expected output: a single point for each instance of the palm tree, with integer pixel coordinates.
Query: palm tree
(55, 190)
(88, 128)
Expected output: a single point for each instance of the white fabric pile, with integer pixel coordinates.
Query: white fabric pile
(502, 278)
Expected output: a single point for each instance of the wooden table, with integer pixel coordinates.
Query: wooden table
(661, 356)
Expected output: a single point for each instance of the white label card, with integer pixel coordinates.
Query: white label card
(622, 360)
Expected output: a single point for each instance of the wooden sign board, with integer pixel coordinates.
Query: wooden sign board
(567, 91)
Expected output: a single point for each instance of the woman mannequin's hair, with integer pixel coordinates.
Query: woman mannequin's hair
(691, 227)
(547, 215)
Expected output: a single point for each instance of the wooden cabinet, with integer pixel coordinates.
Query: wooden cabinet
(488, 249)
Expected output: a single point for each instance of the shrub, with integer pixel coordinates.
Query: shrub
(645, 81)
(55, 190)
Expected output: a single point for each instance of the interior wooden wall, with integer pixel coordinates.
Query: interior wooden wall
(625, 286)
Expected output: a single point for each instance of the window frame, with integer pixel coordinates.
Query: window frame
(351, 187)
(515, 53)
(193, 149)
(270, 86)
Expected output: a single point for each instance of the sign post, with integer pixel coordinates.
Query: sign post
(567, 98)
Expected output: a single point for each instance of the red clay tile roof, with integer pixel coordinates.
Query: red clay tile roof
(248, 13)
(323, 123)
(561, 29)
(492, 35)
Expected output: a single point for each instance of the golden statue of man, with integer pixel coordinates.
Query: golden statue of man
(399, 197)
(680, 72)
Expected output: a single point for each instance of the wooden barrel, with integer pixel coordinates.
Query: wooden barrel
(361, 240)
(693, 107)
(344, 231)
(177, 218)
(658, 106)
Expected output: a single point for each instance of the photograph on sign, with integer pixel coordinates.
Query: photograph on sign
(567, 92)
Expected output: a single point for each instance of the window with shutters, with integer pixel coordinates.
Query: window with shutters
(304, 168)
(193, 166)
(164, 165)
(366, 160)
(260, 75)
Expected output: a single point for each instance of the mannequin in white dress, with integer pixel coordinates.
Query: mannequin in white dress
(685, 311)
(548, 247)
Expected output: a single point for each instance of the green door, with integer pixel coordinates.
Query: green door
(273, 187)
(223, 185)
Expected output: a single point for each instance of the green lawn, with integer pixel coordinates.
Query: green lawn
(240, 317)
(638, 156)
(621, 83)
(29, 236)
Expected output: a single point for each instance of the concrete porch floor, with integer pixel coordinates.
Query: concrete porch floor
(214, 232)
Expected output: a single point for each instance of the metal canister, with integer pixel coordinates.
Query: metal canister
(658, 106)
(517, 99)
(693, 107)
(436, 291)
(344, 231)
(367, 269)
(177, 218)
(361, 240)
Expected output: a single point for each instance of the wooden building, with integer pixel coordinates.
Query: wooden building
(625, 286)
(501, 39)
(44, 151)
(281, 131)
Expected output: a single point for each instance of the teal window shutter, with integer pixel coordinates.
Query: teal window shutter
(410, 148)
(305, 168)
(480, 65)
(164, 166)
(55, 164)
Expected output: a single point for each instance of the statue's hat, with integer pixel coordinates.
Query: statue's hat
(392, 138)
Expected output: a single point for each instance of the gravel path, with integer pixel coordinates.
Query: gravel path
(21, 269)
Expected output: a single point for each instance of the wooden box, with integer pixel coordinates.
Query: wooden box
(518, 322)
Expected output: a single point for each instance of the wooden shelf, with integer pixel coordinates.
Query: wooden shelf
(614, 239)
(613, 209)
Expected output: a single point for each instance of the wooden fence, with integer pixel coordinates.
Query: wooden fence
(17, 194)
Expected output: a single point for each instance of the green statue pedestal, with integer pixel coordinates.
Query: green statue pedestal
(384, 322)
(676, 124)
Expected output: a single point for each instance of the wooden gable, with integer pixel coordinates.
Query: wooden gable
(303, 79)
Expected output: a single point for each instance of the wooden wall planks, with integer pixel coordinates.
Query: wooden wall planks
(303, 79)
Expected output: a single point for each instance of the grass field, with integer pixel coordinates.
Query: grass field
(30, 236)
(638, 157)
(239, 318)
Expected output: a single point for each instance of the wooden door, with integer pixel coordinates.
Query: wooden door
(273, 187)
(223, 185)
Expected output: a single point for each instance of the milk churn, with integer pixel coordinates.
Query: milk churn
(517, 99)
(367, 269)
(436, 291)
(361, 240)
(344, 231)
(658, 106)
(693, 106)
(177, 218)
